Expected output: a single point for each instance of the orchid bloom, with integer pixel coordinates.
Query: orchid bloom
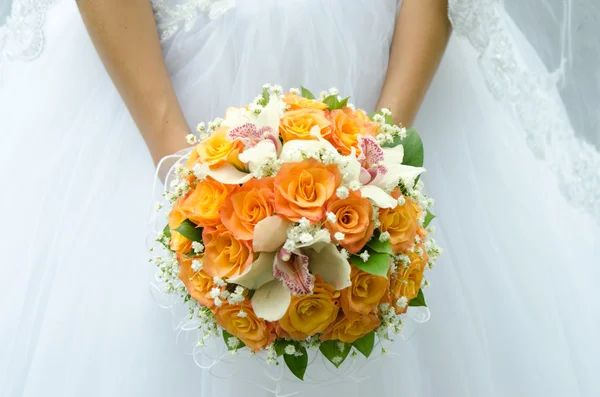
(260, 135)
(252, 128)
(379, 169)
(277, 273)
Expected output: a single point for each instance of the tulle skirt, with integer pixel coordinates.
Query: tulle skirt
(515, 308)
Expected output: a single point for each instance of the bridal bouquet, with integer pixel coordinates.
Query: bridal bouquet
(297, 223)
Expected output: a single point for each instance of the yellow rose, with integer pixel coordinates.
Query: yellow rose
(256, 333)
(202, 205)
(297, 124)
(348, 330)
(218, 150)
(179, 243)
(401, 223)
(296, 102)
(308, 315)
(363, 296)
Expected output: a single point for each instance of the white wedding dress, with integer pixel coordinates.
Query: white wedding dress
(515, 308)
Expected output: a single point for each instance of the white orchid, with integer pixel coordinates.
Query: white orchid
(260, 135)
(379, 170)
(277, 273)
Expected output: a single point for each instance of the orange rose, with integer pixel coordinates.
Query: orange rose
(401, 223)
(256, 333)
(224, 255)
(247, 206)
(405, 283)
(363, 296)
(296, 124)
(198, 284)
(302, 189)
(203, 203)
(178, 242)
(218, 150)
(297, 102)
(308, 315)
(348, 330)
(346, 126)
(354, 216)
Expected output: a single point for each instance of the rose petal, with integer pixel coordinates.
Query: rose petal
(332, 265)
(229, 175)
(258, 273)
(293, 272)
(393, 155)
(378, 196)
(271, 301)
(270, 234)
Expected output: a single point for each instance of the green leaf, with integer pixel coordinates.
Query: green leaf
(413, 149)
(419, 300)
(227, 336)
(297, 364)
(377, 264)
(365, 344)
(191, 254)
(307, 94)
(281, 344)
(332, 102)
(331, 350)
(344, 102)
(167, 231)
(382, 247)
(189, 229)
(280, 347)
(428, 218)
(388, 119)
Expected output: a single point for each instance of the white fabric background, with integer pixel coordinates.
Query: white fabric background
(514, 301)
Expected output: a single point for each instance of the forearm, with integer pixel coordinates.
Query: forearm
(422, 32)
(124, 34)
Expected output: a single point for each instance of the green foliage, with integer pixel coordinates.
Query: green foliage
(190, 230)
(365, 344)
(419, 300)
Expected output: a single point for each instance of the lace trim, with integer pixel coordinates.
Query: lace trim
(22, 36)
(549, 133)
(170, 18)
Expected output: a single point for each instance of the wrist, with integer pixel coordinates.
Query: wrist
(168, 140)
